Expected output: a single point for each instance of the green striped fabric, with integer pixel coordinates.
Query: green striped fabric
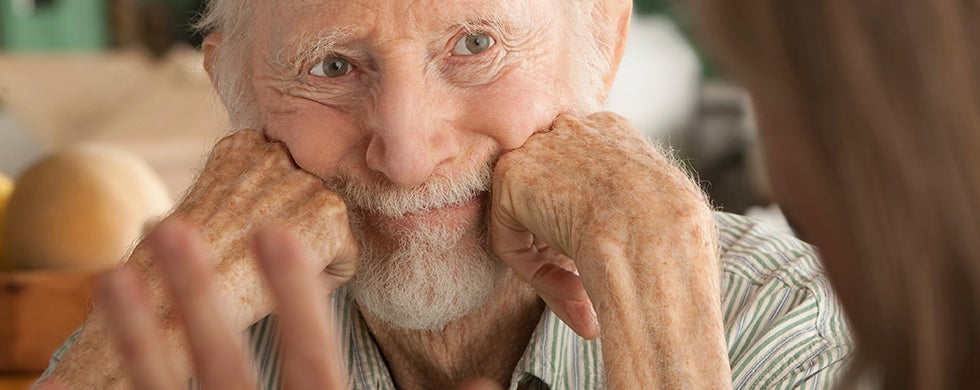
(785, 329)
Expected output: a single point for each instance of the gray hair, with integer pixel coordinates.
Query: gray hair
(234, 20)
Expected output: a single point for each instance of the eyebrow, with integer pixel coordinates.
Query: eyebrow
(483, 18)
(310, 47)
(476, 23)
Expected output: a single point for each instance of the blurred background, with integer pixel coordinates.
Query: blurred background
(126, 77)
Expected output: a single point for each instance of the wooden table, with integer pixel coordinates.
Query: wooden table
(39, 310)
(16, 382)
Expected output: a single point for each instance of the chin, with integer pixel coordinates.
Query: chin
(424, 276)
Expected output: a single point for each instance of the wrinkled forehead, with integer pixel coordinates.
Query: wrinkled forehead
(287, 22)
(409, 11)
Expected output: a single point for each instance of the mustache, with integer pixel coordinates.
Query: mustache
(378, 195)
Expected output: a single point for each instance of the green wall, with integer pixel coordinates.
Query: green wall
(34, 25)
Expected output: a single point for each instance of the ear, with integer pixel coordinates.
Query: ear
(617, 13)
(210, 47)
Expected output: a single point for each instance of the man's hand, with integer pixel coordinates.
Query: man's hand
(311, 357)
(589, 211)
(563, 184)
(310, 348)
(247, 183)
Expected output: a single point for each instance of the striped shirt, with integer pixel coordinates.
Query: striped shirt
(784, 327)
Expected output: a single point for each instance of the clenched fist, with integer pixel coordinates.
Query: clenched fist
(204, 257)
(248, 183)
(612, 235)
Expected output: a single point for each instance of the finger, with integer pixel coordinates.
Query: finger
(310, 349)
(337, 249)
(549, 273)
(547, 270)
(562, 290)
(526, 255)
(216, 349)
(135, 331)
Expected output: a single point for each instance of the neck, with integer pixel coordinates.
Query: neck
(486, 343)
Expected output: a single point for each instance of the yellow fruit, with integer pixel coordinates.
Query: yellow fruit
(81, 208)
(6, 188)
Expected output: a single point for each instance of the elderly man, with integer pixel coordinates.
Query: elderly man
(444, 150)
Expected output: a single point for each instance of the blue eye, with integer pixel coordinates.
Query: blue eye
(471, 44)
(332, 67)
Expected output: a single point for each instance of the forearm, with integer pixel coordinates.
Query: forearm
(89, 362)
(93, 362)
(656, 293)
(248, 182)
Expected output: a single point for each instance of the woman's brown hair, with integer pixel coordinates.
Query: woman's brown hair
(886, 93)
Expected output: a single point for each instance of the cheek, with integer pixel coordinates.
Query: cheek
(512, 109)
(318, 137)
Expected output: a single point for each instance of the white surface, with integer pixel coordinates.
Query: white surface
(656, 87)
(771, 215)
(17, 148)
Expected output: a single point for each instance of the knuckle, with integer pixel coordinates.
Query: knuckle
(273, 155)
(233, 147)
(608, 120)
(302, 185)
(224, 143)
(334, 199)
(249, 136)
(564, 119)
(564, 122)
(500, 177)
(239, 138)
(278, 150)
(507, 162)
(512, 169)
(604, 116)
(332, 205)
(304, 178)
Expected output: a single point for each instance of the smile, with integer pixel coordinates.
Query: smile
(453, 217)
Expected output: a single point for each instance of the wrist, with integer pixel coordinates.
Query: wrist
(656, 291)
(644, 222)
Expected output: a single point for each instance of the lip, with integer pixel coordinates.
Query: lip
(457, 216)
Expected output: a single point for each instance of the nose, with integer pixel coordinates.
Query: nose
(412, 135)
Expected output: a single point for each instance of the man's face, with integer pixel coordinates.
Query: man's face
(402, 106)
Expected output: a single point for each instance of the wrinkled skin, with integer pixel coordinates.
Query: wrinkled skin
(582, 209)
(639, 234)
(538, 234)
(248, 183)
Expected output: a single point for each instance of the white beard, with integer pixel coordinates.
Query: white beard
(434, 276)
(425, 277)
